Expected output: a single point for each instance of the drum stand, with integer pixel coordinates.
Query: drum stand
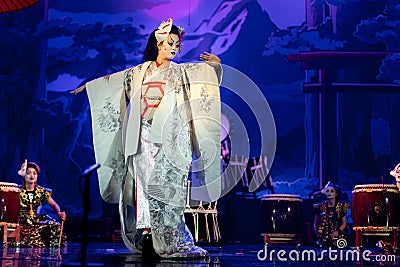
(210, 209)
(281, 238)
(388, 232)
(10, 230)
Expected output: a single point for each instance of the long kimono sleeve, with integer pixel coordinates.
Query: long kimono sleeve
(192, 98)
(205, 104)
(108, 107)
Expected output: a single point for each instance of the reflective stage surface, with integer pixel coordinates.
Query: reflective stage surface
(116, 254)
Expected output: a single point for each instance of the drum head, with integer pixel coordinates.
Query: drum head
(4, 184)
(9, 187)
(285, 197)
(375, 188)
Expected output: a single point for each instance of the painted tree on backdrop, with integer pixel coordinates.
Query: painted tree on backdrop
(329, 27)
(309, 36)
(306, 37)
(384, 29)
(19, 72)
(47, 126)
(99, 45)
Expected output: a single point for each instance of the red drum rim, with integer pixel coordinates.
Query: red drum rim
(375, 188)
(9, 187)
(286, 197)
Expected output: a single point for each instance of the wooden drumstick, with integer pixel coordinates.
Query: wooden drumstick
(61, 233)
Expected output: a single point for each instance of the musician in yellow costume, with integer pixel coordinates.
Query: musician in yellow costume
(330, 223)
(38, 230)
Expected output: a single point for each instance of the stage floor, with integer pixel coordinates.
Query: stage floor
(116, 254)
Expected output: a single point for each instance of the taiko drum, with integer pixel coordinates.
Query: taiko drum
(9, 202)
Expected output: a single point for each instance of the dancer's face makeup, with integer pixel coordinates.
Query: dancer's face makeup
(169, 47)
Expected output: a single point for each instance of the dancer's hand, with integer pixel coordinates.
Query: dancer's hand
(78, 90)
(209, 58)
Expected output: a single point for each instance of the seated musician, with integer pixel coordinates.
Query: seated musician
(38, 230)
(330, 217)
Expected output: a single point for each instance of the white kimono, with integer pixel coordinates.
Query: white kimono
(186, 125)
